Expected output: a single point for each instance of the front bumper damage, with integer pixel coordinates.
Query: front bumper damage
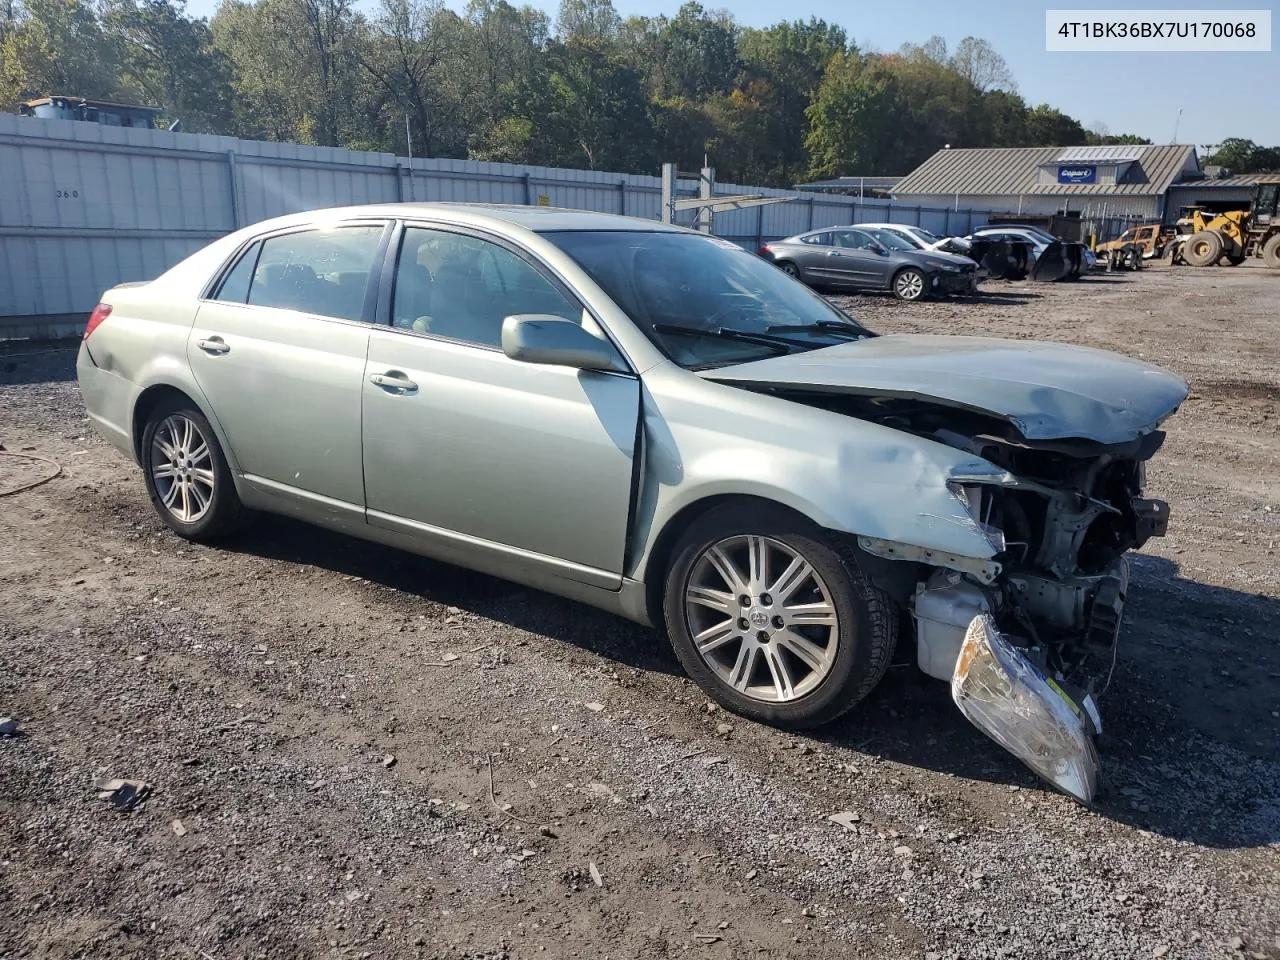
(1006, 696)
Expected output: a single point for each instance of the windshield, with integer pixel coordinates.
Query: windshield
(924, 234)
(893, 240)
(705, 302)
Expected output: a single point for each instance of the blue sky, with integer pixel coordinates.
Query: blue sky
(1128, 92)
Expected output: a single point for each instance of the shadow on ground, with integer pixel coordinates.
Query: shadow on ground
(24, 362)
(1192, 747)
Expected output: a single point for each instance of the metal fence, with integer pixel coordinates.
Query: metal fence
(84, 206)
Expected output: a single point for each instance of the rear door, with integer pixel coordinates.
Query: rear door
(481, 453)
(279, 348)
(812, 254)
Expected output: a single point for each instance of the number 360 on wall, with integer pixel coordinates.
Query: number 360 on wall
(67, 194)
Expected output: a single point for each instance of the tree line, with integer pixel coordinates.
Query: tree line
(789, 102)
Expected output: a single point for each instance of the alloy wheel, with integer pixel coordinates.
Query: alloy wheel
(181, 465)
(909, 285)
(762, 618)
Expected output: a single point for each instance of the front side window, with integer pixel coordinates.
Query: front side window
(892, 240)
(321, 272)
(705, 302)
(462, 287)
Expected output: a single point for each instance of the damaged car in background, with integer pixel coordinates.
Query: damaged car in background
(658, 423)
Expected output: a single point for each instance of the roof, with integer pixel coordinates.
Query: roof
(880, 183)
(1114, 154)
(1002, 171)
(534, 219)
(86, 102)
(1243, 180)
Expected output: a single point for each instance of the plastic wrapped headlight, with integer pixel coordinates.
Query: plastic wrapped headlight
(1008, 698)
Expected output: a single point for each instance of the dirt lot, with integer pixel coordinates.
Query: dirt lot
(374, 755)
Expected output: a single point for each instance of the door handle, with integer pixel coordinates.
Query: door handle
(834, 253)
(213, 345)
(393, 381)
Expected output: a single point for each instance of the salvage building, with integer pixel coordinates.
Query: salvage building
(1043, 183)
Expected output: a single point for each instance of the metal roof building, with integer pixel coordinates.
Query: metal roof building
(1122, 180)
(1216, 193)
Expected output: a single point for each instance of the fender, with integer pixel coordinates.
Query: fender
(845, 474)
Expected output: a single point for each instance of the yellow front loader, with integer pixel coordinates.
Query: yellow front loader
(1233, 236)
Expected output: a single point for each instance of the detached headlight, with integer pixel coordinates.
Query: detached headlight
(1008, 698)
(978, 501)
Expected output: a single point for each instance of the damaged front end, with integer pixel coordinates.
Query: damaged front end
(1027, 638)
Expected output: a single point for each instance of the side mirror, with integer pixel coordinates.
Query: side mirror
(881, 250)
(541, 338)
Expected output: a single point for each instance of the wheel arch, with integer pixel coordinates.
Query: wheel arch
(154, 394)
(658, 561)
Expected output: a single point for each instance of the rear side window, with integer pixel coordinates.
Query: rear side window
(322, 272)
(235, 285)
(822, 239)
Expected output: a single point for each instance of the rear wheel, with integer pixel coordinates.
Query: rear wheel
(773, 619)
(1202, 249)
(909, 284)
(186, 474)
(1235, 259)
(1271, 252)
(789, 268)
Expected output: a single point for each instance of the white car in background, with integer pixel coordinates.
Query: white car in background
(918, 237)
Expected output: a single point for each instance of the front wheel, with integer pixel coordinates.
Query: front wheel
(1271, 251)
(775, 620)
(186, 473)
(1202, 249)
(909, 284)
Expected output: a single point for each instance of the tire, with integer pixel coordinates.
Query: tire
(734, 667)
(1234, 259)
(790, 269)
(1202, 249)
(910, 284)
(1271, 252)
(209, 508)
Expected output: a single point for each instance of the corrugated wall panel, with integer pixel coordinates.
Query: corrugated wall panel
(83, 207)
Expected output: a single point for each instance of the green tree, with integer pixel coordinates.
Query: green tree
(168, 59)
(1244, 156)
(977, 62)
(782, 68)
(295, 72)
(53, 47)
(695, 54)
(589, 110)
(411, 53)
(593, 21)
(854, 121)
(1049, 127)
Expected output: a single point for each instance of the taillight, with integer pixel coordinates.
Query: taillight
(100, 313)
(765, 252)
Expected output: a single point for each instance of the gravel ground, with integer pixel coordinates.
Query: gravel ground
(360, 753)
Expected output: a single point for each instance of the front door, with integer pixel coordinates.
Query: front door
(492, 454)
(865, 267)
(279, 351)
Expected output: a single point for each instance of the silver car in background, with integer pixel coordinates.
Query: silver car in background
(858, 258)
(659, 423)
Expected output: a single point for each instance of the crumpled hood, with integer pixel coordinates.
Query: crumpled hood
(1047, 391)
